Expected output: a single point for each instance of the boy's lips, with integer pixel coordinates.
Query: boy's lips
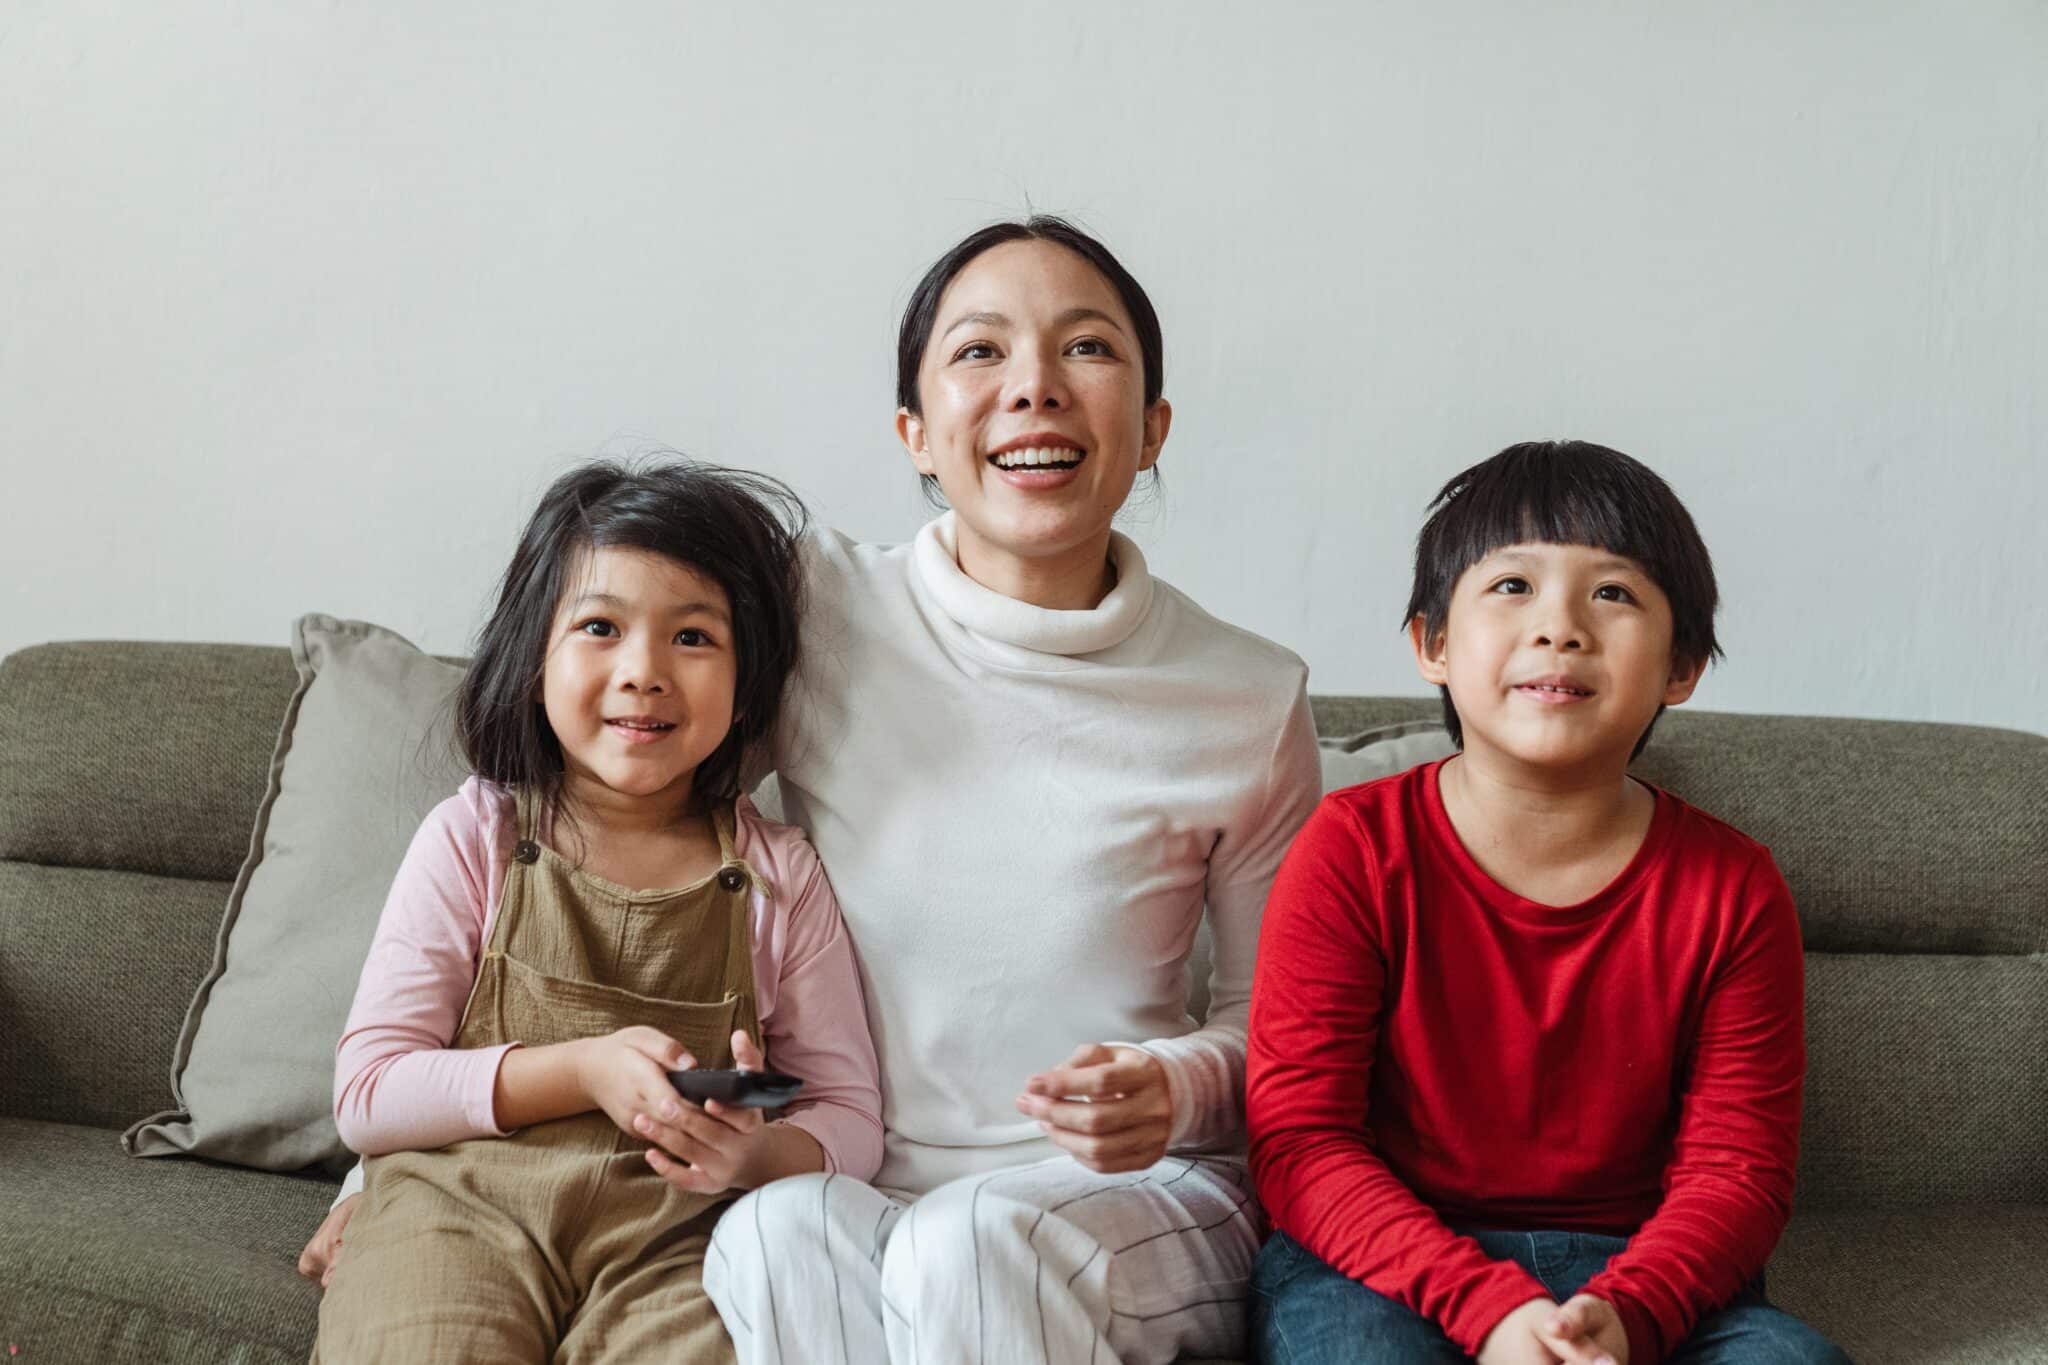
(1554, 690)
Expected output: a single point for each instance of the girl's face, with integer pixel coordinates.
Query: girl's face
(638, 684)
(1034, 421)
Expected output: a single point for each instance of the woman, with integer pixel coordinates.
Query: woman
(1029, 766)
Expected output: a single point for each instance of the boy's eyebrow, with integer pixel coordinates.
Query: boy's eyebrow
(1607, 565)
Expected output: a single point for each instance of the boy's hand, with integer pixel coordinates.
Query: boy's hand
(708, 1150)
(316, 1262)
(1514, 1339)
(1586, 1331)
(1126, 1117)
(626, 1074)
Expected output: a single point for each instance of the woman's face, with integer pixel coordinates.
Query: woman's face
(1034, 420)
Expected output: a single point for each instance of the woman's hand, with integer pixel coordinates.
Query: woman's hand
(316, 1262)
(626, 1074)
(723, 1147)
(1514, 1339)
(1586, 1331)
(1108, 1107)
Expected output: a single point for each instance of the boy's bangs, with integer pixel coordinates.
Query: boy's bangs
(1541, 503)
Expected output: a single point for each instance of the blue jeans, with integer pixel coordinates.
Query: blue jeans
(1305, 1313)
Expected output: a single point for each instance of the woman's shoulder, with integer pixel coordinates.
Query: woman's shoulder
(1202, 639)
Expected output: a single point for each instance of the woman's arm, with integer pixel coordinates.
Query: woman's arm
(1205, 1068)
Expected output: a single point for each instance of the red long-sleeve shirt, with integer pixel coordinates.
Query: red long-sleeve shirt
(1428, 1048)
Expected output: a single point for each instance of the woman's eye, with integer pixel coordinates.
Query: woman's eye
(692, 637)
(1613, 592)
(1089, 346)
(600, 629)
(975, 350)
(1512, 586)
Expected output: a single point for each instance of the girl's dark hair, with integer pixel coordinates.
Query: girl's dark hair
(1566, 493)
(738, 529)
(921, 314)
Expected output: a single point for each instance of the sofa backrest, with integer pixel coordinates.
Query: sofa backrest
(130, 776)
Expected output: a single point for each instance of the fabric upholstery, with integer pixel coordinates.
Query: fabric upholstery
(96, 969)
(168, 786)
(364, 753)
(109, 1260)
(1954, 1285)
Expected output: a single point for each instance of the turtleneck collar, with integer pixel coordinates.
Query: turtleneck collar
(1021, 625)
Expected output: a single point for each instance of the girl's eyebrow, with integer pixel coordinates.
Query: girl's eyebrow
(615, 603)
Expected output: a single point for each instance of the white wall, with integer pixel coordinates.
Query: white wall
(302, 304)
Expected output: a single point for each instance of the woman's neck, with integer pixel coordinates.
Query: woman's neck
(1071, 580)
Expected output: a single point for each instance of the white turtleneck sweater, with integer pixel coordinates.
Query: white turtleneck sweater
(1024, 813)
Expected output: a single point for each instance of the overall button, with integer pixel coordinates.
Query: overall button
(731, 878)
(526, 851)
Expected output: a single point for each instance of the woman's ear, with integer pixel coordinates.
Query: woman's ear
(1158, 419)
(1429, 651)
(910, 431)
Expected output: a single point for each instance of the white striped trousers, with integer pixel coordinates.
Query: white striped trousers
(1047, 1264)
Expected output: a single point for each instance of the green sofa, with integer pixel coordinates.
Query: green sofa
(130, 775)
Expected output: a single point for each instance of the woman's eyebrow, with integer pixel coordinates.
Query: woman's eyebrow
(1066, 319)
(1074, 315)
(976, 320)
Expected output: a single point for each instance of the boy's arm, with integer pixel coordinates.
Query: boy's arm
(1316, 1006)
(1728, 1189)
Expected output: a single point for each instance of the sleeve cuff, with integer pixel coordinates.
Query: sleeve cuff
(1183, 1087)
(483, 1103)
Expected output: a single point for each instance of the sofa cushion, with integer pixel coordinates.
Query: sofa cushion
(364, 753)
(1381, 751)
(96, 971)
(1943, 1285)
(112, 1261)
(169, 787)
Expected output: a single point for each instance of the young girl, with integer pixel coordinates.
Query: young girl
(592, 909)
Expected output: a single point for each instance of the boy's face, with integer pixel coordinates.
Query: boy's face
(1556, 656)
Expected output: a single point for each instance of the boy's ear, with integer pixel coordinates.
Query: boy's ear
(1429, 652)
(1685, 676)
(910, 431)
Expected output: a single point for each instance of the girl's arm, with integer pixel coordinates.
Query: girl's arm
(397, 1082)
(815, 1023)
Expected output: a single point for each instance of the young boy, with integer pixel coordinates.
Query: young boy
(1526, 1034)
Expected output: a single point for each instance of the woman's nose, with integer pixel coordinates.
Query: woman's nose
(1035, 384)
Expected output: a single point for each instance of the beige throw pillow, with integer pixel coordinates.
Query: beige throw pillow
(1381, 752)
(366, 750)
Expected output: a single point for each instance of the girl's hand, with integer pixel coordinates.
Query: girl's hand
(626, 1074)
(713, 1149)
(316, 1262)
(1109, 1107)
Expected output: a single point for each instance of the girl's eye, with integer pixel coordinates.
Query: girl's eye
(975, 350)
(600, 629)
(1090, 346)
(692, 637)
(1511, 586)
(1613, 592)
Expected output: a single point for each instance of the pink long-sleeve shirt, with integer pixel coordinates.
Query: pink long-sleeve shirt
(399, 1085)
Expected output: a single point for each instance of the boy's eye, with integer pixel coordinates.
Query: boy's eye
(599, 628)
(1613, 592)
(1511, 586)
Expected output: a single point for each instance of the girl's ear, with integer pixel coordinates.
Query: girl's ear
(1429, 651)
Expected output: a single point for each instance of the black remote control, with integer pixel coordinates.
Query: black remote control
(748, 1089)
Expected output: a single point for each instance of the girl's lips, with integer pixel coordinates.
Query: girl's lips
(641, 732)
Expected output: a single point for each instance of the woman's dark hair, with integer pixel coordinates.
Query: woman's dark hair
(738, 529)
(1566, 493)
(921, 314)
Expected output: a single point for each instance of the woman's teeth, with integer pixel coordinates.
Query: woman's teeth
(1034, 456)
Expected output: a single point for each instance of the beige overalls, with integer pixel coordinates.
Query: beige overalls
(558, 1243)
